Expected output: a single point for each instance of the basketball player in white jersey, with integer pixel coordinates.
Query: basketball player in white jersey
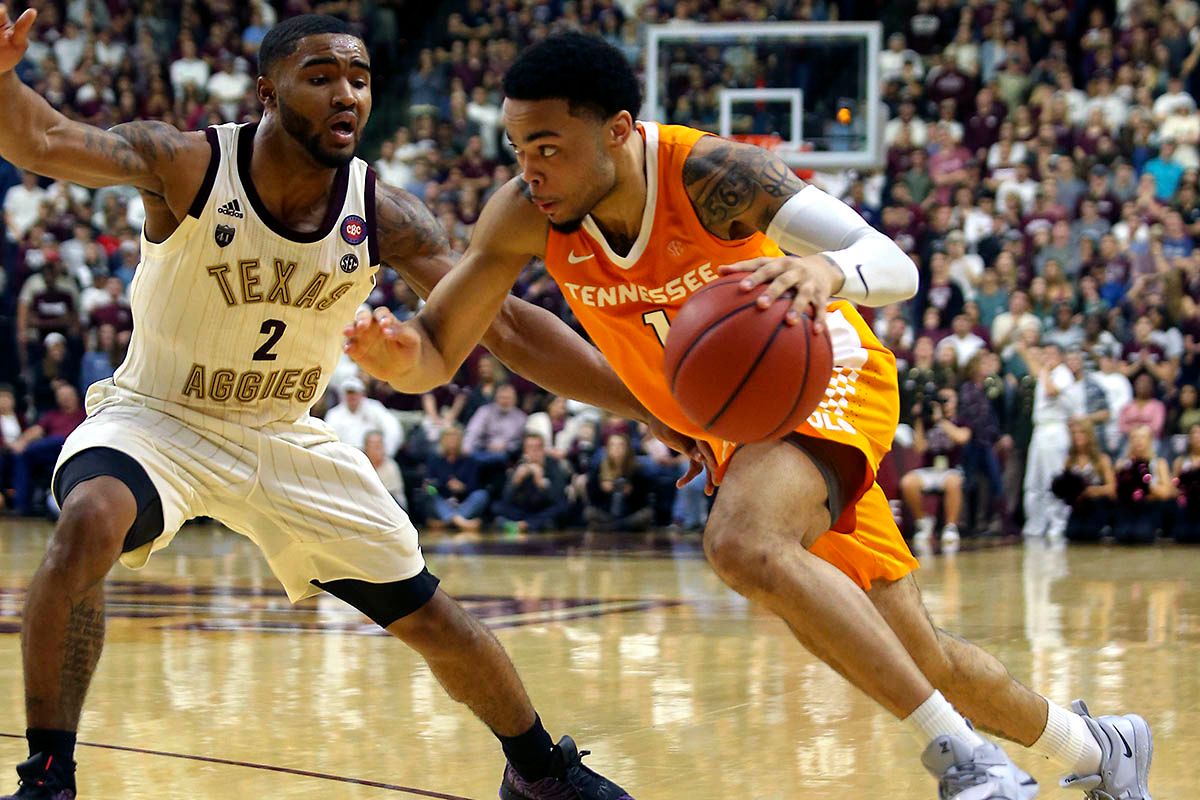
(260, 243)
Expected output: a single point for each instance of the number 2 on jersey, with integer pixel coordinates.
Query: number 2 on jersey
(657, 320)
(273, 329)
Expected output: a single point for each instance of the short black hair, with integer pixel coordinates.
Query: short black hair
(589, 73)
(282, 40)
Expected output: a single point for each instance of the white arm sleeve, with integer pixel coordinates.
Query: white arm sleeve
(877, 271)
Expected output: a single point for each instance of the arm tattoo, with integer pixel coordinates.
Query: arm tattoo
(155, 141)
(732, 183)
(136, 149)
(406, 227)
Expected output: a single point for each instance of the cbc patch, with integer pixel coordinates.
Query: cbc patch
(354, 230)
(349, 262)
(224, 235)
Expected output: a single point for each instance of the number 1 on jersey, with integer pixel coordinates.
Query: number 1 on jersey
(657, 320)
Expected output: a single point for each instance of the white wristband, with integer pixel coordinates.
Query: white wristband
(876, 271)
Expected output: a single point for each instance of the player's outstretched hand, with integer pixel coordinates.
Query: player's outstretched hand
(814, 279)
(14, 37)
(699, 452)
(381, 344)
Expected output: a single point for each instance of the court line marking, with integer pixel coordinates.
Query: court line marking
(265, 767)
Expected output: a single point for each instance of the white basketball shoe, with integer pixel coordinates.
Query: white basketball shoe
(1126, 748)
(984, 773)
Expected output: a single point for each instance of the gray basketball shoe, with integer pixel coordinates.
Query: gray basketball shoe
(1126, 748)
(984, 773)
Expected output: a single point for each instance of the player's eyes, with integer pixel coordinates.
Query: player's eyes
(548, 150)
(318, 81)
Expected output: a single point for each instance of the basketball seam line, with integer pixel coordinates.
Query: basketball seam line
(705, 332)
(803, 381)
(749, 373)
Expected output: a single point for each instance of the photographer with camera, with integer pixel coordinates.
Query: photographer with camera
(618, 494)
(535, 493)
(939, 438)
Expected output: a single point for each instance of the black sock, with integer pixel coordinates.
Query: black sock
(60, 745)
(530, 752)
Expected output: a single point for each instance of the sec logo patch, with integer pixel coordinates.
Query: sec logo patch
(349, 262)
(354, 230)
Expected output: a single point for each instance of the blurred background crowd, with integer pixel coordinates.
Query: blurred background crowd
(1042, 169)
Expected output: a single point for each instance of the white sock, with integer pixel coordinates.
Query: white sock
(936, 717)
(1068, 742)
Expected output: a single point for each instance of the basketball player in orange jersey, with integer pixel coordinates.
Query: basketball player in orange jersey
(305, 225)
(631, 219)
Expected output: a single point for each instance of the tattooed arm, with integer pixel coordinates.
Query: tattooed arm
(530, 340)
(166, 164)
(738, 189)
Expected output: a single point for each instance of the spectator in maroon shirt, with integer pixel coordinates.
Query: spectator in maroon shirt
(941, 292)
(948, 166)
(48, 303)
(950, 83)
(38, 448)
(983, 127)
(925, 32)
(476, 170)
(1144, 354)
(115, 311)
(1099, 193)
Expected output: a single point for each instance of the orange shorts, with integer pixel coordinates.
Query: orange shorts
(850, 433)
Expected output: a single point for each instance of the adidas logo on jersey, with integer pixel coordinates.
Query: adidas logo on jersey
(233, 209)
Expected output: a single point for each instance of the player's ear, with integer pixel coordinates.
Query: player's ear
(265, 89)
(620, 127)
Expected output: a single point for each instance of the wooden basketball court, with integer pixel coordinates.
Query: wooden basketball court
(213, 686)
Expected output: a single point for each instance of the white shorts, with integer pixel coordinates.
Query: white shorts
(933, 479)
(312, 504)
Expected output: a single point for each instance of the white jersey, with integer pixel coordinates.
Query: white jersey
(236, 316)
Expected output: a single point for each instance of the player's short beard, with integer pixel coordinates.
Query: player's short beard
(303, 131)
(567, 227)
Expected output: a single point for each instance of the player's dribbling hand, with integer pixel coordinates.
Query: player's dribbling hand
(14, 37)
(699, 452)
(381, 344)
(814, 279)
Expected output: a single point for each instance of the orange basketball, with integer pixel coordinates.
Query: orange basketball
(741, 372)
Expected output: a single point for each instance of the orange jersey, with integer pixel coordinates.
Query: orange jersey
(626, 303)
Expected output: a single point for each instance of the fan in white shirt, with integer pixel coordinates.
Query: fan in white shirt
(1175, 97)
(966, 269)
(229, 86)
(189, 70)
(358, 415)
(965, 343)
(23, 204)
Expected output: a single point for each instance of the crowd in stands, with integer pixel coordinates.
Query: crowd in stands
(1042, 169)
